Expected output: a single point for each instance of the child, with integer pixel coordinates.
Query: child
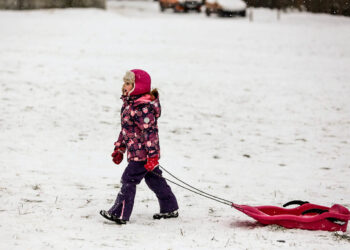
(139, 136)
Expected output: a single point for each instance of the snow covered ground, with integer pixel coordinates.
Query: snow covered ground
(255, 112)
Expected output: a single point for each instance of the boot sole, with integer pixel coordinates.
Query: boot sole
(118, 221)
(164, 216)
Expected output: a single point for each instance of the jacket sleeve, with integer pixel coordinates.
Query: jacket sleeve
(120, 144)
(147, 123)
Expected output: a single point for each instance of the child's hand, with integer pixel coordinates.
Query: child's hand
(117, 156)
(152, 163)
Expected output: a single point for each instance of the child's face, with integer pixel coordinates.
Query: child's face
(127, 87)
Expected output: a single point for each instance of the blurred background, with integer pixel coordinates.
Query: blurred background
(336, 7)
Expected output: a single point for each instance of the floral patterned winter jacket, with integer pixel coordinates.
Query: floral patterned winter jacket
(139, 129)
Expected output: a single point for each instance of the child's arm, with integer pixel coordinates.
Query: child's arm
(120, 144)
(119, 150)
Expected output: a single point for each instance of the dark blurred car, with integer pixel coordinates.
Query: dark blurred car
(181, 5)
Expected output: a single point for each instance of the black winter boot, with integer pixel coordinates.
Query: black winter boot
(169, 215)
(110, 217)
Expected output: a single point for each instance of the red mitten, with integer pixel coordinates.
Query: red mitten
(152, 162)
(117, 156)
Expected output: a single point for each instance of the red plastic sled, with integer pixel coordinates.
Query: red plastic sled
(305, 216)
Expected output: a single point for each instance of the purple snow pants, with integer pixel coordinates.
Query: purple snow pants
(133, 175)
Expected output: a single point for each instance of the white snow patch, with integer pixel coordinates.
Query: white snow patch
(277, 91)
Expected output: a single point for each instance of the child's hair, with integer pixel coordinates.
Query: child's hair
(154, 94)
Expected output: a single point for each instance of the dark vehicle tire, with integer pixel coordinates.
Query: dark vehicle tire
(243, 13)
(207, 12)
(221, 13)
(199, 9)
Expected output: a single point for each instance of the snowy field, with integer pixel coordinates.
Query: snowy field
(255, 112)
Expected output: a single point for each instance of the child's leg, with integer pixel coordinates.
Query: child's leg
(166, 198)
(133, 174)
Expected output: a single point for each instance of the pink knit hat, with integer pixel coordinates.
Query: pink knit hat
(142, 82)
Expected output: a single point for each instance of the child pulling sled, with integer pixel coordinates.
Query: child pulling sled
(139, 137)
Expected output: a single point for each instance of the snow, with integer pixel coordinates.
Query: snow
(254, 112)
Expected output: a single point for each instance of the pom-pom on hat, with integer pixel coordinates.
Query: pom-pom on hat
(142, 82)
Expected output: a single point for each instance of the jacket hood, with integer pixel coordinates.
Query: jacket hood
(142, 83)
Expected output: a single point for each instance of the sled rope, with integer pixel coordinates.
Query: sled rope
(193, 189)
(177, 184)
(227, 201)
